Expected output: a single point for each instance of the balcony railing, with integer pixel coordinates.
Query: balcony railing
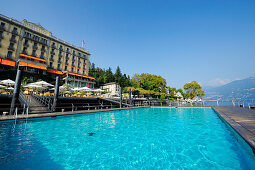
(73, 65)
(13, 40)
(67, 50)
(1, 36)
(2, 27)
(61, 49)
(66, 63)
(60, 54)
(51, 59)
(15, 32)
(53, 46)
(42, 56)
(58, 68)
(9, 56)
(73, 59)
(52, 52)
(79, 61)
(24, 51)
(34, 54)
(11, 48)
(26, 44)
(35, 47)
(59, 61)
(43, 49)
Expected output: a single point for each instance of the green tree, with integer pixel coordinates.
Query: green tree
(109, 75)
(193, 89)
(118, 76)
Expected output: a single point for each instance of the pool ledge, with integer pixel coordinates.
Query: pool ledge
(242, 120)
(55, 114)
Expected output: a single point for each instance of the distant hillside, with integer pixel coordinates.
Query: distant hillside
(244, 89)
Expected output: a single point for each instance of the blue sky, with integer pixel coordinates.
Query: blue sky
(212, 42)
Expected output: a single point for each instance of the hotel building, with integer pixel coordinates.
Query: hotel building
(37, 52)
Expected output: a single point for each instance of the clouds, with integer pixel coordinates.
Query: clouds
(219, 82)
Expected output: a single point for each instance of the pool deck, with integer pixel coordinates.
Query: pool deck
(55, 114)
(241, 119)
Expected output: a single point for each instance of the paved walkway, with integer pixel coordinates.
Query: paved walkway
(241, 119)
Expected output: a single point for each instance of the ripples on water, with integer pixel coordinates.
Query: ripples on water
(163, 138)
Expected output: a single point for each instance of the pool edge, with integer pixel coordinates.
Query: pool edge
(240, 130)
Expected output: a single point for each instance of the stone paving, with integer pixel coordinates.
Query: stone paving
(241, 119)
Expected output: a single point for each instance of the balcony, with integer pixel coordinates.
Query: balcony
(60, 54)
(24, 51)
(42, 56)
(66, 63)
(74, 53)
(15, 32)
(73, 65)
(11, 48)
(13, 39)
(43, 49)
(79, 54)
(9, 57)
(52, 52)
(35, 47)
(59, 61)
(61, 49)
(73, 59)
(83, 67)
(67, 50)
(79, 66)
(79, 61)
(53, 46)
(26, 44)
(2, 27)
(34, 54)
(51, 59)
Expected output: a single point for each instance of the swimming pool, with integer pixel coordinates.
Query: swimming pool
(163, 138)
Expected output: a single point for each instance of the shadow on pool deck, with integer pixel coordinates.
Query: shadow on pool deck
(241, 119)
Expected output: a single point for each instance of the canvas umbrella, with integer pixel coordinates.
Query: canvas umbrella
(1, 86)
(8, 82)
(43, 84)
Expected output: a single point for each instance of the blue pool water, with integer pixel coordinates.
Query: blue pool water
(145, 138)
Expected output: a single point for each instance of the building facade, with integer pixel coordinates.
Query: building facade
(37, 51)
(113, 88)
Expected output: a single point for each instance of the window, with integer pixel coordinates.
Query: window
(2, 24)
(26, 42)
(72, 70)
(51, 64)
(25, 50)
(1, 34)
(78, 71)
(65, 68)
(58, 66)
(83, 72)
(11, 45)
(34, 53)
(73, 52)
(9, 54)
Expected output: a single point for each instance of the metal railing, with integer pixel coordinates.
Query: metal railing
(25, 102)
(46, 101)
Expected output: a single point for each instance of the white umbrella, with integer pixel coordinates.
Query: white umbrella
(31, 85)
(99, 90)
(43, 84)
(1, 86)
(60, 88)
(76, 89)
(8, 82)
(10, 88)
(85, 89)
